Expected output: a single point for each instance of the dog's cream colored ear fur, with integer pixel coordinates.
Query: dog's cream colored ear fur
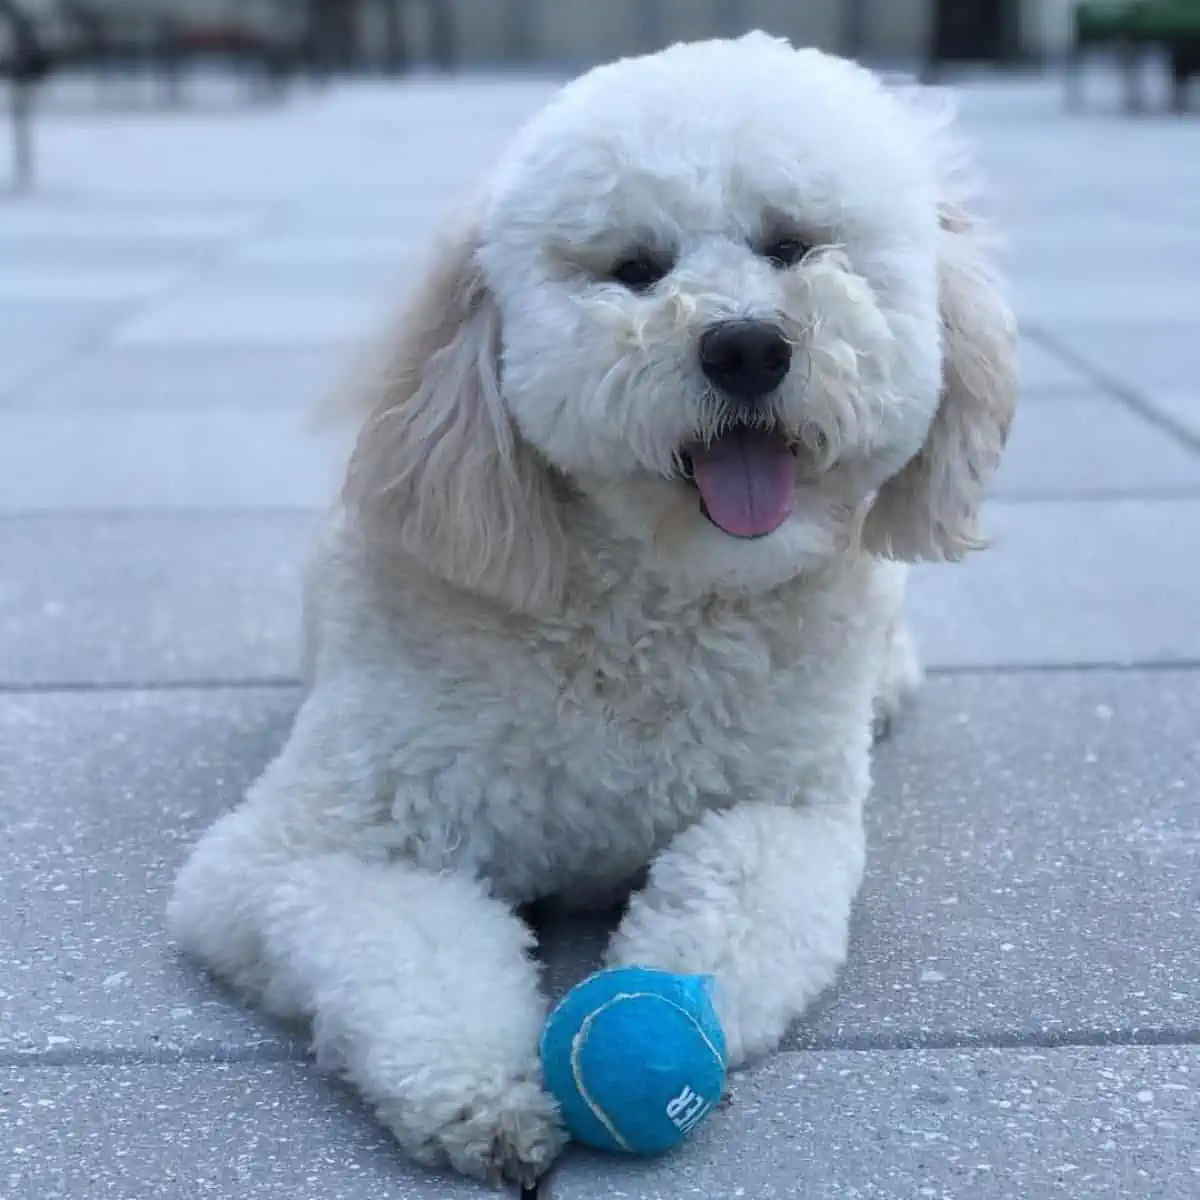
(439, 473)
(929, 511)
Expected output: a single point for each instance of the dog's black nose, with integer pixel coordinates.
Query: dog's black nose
(745, 359)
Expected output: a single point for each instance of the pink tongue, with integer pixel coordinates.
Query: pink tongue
(747, 480)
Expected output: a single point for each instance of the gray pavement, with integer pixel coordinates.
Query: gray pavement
(1021, 1014)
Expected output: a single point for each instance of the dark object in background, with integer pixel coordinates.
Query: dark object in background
(337, 34)
(1185, 66)
(24, 63)
(982, 31)
(271, 39)
(441, 33)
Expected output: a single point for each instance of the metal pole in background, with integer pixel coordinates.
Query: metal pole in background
(22, 100)
(28, 65)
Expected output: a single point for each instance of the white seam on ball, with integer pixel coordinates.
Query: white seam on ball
(577, 1044)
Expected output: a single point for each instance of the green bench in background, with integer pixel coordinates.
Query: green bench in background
(1131, 28)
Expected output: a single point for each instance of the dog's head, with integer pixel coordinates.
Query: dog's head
(729, 296)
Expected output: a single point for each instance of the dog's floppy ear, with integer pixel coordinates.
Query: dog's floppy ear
(439, 473)
(930, 509)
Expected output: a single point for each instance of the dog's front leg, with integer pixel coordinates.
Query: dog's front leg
(758, 897)
(419, 986)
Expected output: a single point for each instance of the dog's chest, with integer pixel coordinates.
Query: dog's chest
(608, 739)
(675, 679)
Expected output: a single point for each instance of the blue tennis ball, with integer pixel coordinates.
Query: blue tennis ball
(635, 1059)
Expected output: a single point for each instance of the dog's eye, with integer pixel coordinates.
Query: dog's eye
(785, 252)
(639, 272)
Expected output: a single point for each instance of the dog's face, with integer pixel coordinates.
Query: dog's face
(717, 278)
(714, 290)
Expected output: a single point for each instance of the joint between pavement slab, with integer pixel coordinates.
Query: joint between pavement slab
(1111, 386)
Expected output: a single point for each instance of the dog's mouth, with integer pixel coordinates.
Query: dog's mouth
(746, 477)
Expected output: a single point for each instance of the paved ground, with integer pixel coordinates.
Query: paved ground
(1021, 1016)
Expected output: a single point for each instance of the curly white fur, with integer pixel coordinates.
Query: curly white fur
(536, 669)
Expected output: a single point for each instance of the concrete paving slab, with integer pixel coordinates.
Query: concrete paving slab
(1044, 373)
(1090, 1124)
(1140, 356)
(364, 280)
(217, 169)
(295, 377)
(1035, 848)
(398, 249)
(1180, 408)
(1171, 302)
(37, 337)
(1054, 250)
(39, 283)
(188, 1131)
(1056, 239)
(271, 318)
(1068, 582)
(228, 458)
(150, 599)
(108, 224)
(1092, 446)
(26, 254)
(100, 795)
(27, 317)
(22, 360)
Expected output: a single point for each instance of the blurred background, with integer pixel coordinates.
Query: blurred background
(155, 50)
(395, 34)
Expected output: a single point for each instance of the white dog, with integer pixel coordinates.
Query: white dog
(616, 582)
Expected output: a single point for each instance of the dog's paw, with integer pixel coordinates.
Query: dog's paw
(505, 1134)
